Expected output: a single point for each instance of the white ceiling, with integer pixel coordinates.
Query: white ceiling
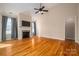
(15, 8)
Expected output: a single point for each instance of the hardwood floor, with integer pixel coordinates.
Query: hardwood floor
(38, 47)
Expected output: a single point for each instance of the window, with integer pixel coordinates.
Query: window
(8, 26)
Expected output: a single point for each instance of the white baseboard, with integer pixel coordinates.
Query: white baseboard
(53, 37)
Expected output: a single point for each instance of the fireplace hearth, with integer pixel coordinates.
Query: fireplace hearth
(25, 34)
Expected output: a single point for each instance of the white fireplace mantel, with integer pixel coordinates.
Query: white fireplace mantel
(23, 17)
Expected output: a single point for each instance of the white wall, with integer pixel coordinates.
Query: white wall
(0, 28)
(78, 28)
(25, 17)
(78, 24)
(52, 24)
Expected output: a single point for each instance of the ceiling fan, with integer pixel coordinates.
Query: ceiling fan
(41, 9)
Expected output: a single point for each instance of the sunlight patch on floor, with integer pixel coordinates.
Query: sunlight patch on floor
(33, 42)
(5, 45)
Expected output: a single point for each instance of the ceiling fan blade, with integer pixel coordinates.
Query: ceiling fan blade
(42, 7)
(36, 12)
(36, 9)
(45, 10)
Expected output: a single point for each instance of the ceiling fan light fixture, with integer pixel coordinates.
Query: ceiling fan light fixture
(41, 10)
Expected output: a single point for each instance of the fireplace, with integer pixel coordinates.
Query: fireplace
(25, 34)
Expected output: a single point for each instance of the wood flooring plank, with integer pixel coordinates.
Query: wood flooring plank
(36, 46)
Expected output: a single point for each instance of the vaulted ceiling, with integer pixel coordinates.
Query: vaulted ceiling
(15, 8)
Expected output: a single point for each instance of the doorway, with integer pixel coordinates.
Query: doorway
(70, 29)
